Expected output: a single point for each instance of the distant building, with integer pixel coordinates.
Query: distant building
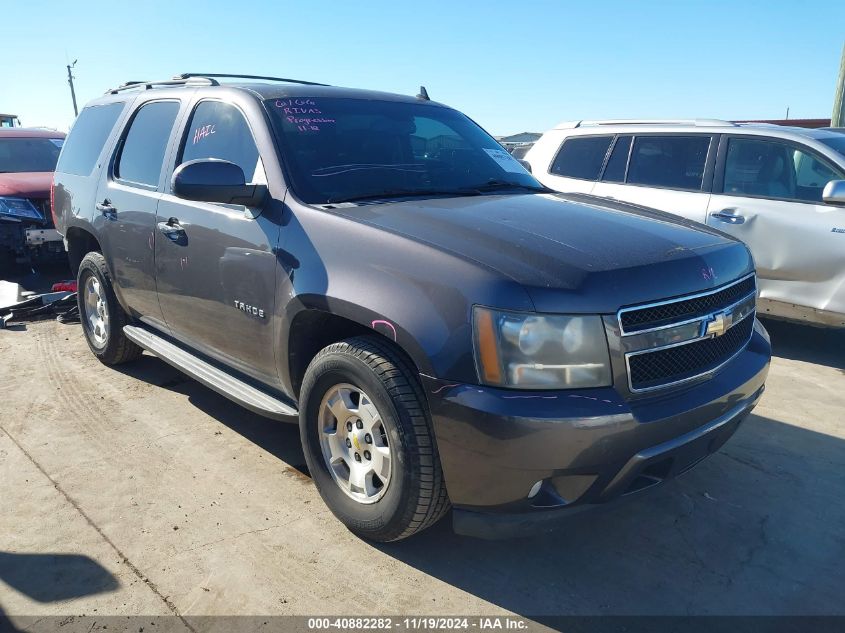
(9, 120)
(808, 123)
(515, 140)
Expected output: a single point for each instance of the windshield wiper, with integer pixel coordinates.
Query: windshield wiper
(495, 185)
(406, 193)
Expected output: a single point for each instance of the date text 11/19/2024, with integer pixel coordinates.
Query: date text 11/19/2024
(425, 623)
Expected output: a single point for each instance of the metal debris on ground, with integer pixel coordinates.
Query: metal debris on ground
(61, 305)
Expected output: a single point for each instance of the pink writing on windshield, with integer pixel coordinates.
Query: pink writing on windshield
(299, 112)
(298, 106)
(202, 132)
(304, 124)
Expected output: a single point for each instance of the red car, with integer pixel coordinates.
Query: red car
(27, 161)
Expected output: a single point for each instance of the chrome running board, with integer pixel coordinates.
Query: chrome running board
(212, 377)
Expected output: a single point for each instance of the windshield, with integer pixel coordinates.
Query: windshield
(339, 150)
(29, 154)
(836, 142)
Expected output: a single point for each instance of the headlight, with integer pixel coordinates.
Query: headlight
(19, 208)
(540, 351)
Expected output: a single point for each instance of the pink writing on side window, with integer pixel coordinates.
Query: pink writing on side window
(202, 132)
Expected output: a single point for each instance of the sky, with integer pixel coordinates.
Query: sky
(512, 66)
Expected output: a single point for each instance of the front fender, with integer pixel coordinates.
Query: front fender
(410, 292)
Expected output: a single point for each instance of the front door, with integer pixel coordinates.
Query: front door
(770, 197)
(127, 199)
(215, 263)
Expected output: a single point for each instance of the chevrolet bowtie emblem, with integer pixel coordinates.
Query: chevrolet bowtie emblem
(717, 325)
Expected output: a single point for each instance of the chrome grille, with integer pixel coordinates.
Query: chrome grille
(673, 341)
(676, 364)
(638, 319)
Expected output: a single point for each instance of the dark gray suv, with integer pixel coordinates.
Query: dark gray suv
(447, 331)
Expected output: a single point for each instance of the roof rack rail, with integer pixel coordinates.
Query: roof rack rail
(176, 81)
(693, 122)
(261, 77)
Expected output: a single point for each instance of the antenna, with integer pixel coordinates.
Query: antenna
(423, 96)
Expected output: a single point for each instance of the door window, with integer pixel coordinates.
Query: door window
(143, 149)
(675, 162)
(219, 130)
(771, 169)
(581, 157)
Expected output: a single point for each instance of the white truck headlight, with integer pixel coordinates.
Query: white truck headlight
(540, 351)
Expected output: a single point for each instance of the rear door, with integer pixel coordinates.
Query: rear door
(670, 172)
(216, 277)
(577, 164)
(768, 193)
(126, 204)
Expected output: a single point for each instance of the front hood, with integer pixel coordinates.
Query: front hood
(35, 184)
(570, 252)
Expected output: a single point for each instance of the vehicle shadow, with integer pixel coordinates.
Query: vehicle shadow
(281, 439)
(822, 346)
(54, 577)
(756, 529)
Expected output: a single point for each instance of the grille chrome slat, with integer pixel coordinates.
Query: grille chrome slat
(679, 364)
(726, 316)
(638, 319)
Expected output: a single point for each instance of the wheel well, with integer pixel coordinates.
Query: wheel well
(79, 243)
(312, 330)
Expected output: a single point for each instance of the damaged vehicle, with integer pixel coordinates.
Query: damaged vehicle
(779, 189)
(27, 234)
(446, 331)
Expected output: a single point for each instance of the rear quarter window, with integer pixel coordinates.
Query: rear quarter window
(87, 137)
(581, 157)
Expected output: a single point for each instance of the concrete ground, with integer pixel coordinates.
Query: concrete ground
(137, 491)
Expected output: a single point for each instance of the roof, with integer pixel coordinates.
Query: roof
(281, 91)
(262, 87)
(710, 125)
(30, 132)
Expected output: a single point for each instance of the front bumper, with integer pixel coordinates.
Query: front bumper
(576, 449)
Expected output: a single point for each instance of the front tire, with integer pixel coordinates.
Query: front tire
(101, 314)
(368, 441)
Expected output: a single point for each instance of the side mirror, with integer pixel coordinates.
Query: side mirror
(215, 180)
(834, 192)
(525, 164)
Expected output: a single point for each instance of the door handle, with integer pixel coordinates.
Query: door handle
(727, 215)
(105, 207)
(172, 229)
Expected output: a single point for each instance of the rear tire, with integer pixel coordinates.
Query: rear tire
(101, 314)
(368, 442)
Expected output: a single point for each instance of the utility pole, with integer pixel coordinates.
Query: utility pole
(72, 91)
(838, 117)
